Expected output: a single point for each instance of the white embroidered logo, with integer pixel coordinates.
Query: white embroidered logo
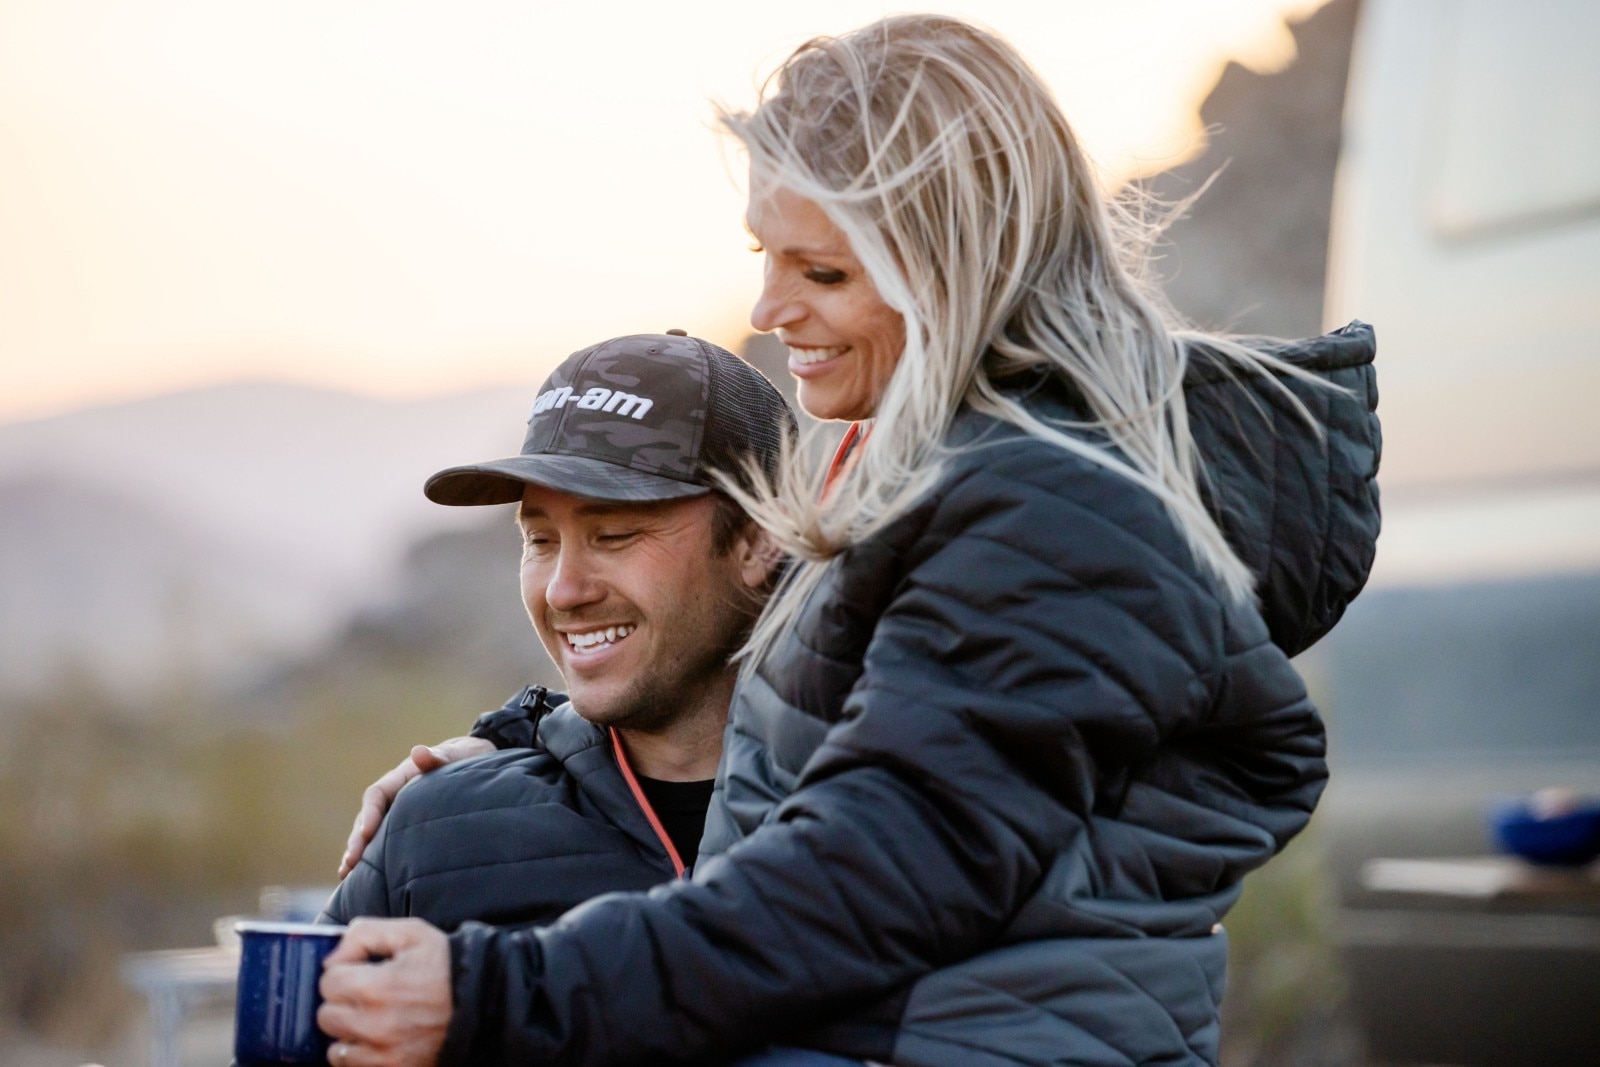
(594, 399)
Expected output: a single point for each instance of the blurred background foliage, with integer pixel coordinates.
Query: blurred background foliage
(132, 824)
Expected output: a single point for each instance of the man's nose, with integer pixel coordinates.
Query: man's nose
(573, 581)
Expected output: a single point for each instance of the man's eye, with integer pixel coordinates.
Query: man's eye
(619, 537)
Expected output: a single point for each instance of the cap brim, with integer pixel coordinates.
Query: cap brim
(503, 481)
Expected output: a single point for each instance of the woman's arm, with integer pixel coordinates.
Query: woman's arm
(511, 726)
(1039, 637)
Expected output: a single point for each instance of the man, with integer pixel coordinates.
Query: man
(642, 580)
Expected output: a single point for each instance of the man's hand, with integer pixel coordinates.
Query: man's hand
(380, 794)
(386, 994)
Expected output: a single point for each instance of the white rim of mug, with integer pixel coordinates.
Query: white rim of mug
(253, 926)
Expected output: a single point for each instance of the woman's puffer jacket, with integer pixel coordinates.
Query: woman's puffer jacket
(987, 800)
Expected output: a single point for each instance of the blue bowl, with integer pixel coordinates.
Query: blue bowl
(1569, 838)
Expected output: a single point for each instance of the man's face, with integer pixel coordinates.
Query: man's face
(633, 605)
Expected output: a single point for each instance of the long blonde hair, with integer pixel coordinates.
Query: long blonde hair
(950, 168)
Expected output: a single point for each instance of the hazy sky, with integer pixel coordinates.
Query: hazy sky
(411, 196)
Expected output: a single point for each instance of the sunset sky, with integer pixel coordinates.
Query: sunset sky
(409, 197)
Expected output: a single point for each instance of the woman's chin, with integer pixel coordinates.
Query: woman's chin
(827, 404)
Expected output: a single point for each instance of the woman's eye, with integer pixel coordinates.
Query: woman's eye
(825, 276)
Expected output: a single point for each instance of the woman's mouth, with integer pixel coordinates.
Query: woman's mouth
(806, 357)
(593, 640)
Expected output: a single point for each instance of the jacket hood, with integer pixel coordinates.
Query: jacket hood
(1298, 502)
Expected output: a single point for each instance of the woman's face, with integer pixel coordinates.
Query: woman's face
(844, 341)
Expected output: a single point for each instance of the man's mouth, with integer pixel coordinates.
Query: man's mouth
(589, 640)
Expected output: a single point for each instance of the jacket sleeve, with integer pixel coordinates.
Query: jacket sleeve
(365, 890)
(1033, 640)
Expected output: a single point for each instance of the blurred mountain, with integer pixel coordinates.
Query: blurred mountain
(198, 532)
(1251, 254)
(200, 537)
(450, 639)
(104, 583)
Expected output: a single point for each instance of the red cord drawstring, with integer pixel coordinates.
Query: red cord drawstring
(644, 804)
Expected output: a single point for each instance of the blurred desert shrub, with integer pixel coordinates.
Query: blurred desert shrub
(1285, 1002)
(130, 824)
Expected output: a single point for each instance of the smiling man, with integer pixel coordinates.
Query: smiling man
(641, 580)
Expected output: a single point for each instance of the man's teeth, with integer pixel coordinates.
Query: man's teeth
(816, 355)
(591, 638)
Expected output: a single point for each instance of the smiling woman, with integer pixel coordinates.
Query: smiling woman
(844, 341)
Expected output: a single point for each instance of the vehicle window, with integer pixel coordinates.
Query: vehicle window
(1508, 160)
(1501, 669)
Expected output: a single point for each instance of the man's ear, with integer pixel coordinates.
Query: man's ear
(758, 557)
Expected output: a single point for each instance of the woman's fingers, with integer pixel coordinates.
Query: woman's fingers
(379, 796)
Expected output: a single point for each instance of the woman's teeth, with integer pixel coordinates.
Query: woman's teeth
(594, 638)
(816, 355)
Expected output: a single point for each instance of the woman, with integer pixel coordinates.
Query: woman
(1016, 727)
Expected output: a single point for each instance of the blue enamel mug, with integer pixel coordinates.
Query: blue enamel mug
(280, 967)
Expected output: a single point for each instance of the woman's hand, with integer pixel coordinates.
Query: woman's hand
(386, 994)
(380, 794)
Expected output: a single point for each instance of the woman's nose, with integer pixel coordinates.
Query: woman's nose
(775, 308)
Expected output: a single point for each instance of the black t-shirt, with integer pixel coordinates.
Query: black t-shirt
(681, 807)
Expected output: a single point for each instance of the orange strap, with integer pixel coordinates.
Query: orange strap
(853, 437)
(845, 454)
(644, 804)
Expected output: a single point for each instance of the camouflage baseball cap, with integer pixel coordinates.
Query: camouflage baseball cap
(646, 417)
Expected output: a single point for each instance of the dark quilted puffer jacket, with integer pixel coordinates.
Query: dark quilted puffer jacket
(515, 838)
(986, 802)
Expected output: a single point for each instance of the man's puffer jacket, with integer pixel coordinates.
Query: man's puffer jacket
(986, 801)
(516, 837)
